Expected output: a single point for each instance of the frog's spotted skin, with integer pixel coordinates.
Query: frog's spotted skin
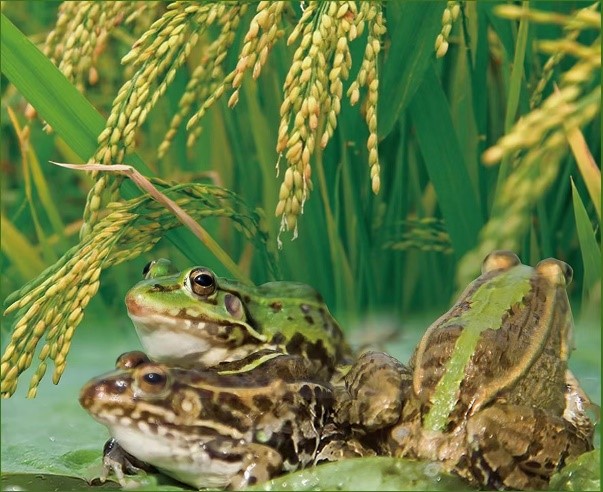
(194, 318)
(208, 429)
(488, 392)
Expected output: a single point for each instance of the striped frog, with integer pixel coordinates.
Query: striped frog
(487, 392)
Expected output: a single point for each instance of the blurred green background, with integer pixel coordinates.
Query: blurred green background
(379, 260)
(389, 252)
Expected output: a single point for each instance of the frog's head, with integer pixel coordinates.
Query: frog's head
(136, 379)
(196, 426)
(145, 394)
(188, 316)
(150, 410)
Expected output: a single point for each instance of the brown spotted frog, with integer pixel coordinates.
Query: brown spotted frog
(487, 392)
(207, 428)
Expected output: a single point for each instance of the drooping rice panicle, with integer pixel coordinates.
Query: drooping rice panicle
(53, 305)
(537, 142)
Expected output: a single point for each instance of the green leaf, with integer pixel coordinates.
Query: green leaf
(591, 252)
(375, 473)
(56, 100)
(415, 28)
(586, 164)
(501, 27)
(443, 158)
(584, 473)
(19, 250)
(47, 481)
(515, 88)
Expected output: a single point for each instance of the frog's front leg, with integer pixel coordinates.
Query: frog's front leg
(374, 391)
(519, 447)
(118, 461)
(336, 444)
(259, 464)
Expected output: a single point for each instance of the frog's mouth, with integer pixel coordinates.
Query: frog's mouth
(172, 455)
(165, 337)
(177, 338)
(180, 321)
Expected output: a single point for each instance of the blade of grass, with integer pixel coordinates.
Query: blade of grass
(46, 88)
(33, 170)
(586, 164)
(515, 86)
(502, 27)
(591, 252)
(412, 48)
(443, 158)
(19, 250)
(341, 265)
(264, 138)
(68, 112)
(40, 233)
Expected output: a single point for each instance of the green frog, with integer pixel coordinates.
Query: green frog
(487, 392)
(197, 319)
(207, 428)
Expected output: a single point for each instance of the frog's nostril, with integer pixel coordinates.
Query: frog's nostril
(102, 391)
(120, 386)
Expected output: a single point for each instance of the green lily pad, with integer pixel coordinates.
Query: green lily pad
(40, 481)
(584, 473)
(374, 473)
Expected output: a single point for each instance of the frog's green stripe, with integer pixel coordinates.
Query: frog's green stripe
(253, 364)
(489, 303)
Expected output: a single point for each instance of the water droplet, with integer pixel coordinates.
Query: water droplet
(433, 469)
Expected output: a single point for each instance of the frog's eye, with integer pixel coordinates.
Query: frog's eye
(555, 271)
(152, 379)
(130, 360)
(147, 268)
(202, 282)
(500, 260)
(157, 268)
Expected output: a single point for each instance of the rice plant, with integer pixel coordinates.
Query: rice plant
(374, 150)
(394, 144)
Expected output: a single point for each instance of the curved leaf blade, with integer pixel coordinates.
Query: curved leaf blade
(412, 48)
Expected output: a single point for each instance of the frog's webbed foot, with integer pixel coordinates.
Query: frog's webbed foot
(120, 462)
(578, 406)
(519, 447)
(343, 449)
(259, 464)
(337, 445)
(374, 393)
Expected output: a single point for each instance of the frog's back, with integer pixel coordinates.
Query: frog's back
(293, 315)
(290, 290)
